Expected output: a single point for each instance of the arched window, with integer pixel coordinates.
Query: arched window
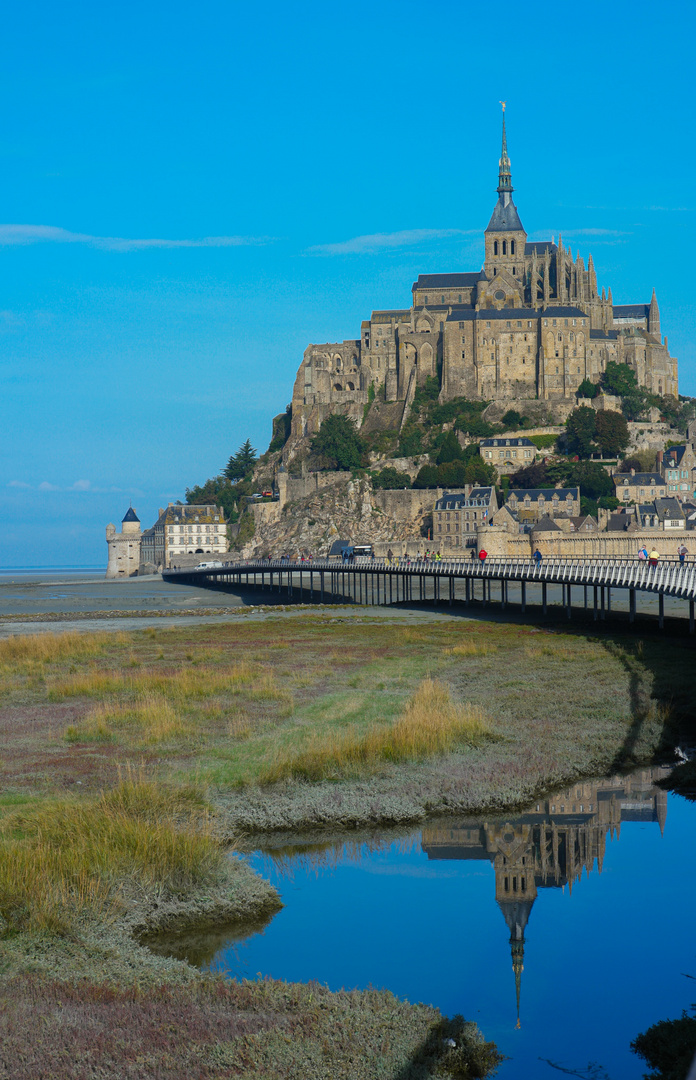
(512, 247)
(504, 247)
(495, 247)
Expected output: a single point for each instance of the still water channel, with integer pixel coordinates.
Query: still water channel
(563, 931)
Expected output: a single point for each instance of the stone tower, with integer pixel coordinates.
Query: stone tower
(124, 547)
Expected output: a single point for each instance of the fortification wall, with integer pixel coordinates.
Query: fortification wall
(500, 544)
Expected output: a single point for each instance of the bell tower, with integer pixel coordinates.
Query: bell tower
(505, 237)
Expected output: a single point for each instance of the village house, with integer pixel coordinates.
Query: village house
(678, 467)
(508, 455)
(532, 504)
(456, 517)
(635, 487)
(184, 530)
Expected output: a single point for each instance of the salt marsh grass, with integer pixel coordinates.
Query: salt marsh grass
(471, 648)
(149, 720)
(65, 856)
(48, 648)
(431, 724)
(183, 684)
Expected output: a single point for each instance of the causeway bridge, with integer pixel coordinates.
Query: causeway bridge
(584, 583)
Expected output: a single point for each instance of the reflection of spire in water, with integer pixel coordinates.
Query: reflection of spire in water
(516, 914)
(550, 844)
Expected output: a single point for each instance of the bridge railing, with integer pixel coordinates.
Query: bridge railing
(668, 576)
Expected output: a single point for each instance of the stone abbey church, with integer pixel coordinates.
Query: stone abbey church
(531, 324)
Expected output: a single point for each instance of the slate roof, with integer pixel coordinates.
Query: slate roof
(504, 218)
(631, 311)
(130, 515)
(669, 509)
(612, 334)
(447, 281)
(506, 442)
(641, 478)
(540, 247)
(550, 312)
(548, 493)
(478, 496)
(462, 314)
(546, 524)
(676, 453)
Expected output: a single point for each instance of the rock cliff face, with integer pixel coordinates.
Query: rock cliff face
(347, 510)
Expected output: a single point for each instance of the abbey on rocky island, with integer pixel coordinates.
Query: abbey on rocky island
(531, 324)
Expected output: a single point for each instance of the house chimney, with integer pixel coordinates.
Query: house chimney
(633, 472)
(160, 511)
(658, 458)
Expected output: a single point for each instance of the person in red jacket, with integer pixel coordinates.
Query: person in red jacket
(483, 555)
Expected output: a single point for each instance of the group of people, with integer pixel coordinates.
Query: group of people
(652, 557)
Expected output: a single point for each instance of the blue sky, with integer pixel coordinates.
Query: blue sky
(190, 194)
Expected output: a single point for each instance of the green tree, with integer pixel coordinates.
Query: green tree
(580, 428)
(588, 389)
(338, 443)
(218, 490)
(449, 448)
(591, 477)
(427, 477)
(391, 478)
(531, 476)
(611, 433)
(619, 379)
(512, 420)
(242, 463)
(411, 442)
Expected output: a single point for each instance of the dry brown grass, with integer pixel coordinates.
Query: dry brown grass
(471, 648)
(183, 684)
(68, 855)
(149, 720)
(431, 724)
(51, 647)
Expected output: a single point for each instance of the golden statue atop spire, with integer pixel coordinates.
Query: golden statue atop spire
(503, 104)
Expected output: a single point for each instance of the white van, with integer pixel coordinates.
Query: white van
(215, 565)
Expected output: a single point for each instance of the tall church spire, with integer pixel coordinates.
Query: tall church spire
(504, 167)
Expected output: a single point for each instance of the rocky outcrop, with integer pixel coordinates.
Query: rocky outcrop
(347, 510)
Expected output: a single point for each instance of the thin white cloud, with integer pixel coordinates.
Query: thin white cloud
(18, 484)
(596, 232)
(364, 245)
(45, 486)
(81, 487)
(12, 235)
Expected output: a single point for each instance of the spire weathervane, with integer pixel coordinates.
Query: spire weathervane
(504, 171)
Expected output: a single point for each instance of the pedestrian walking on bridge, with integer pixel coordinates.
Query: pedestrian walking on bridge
(653, 557)
(537, 556)
(682, 552)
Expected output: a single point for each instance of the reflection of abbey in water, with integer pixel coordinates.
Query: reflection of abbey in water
(551, 845)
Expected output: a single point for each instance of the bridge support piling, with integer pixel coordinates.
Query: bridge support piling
(692, 627)
(608, 597)
(569, 602)
(584, 589)
(523, 595)
(661, 618)
(594, 611)
(631, 605)
(451, 591)
(321, 578)
(544, 605)
(502, 594)
(603, 612)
